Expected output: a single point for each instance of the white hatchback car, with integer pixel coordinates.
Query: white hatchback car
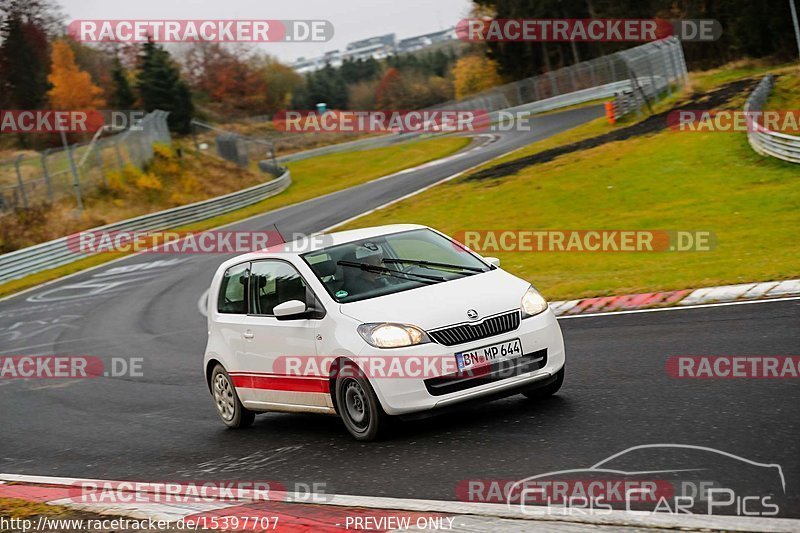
(392, 320)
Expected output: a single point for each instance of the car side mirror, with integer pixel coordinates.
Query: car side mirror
(495, 262)
(291, 310)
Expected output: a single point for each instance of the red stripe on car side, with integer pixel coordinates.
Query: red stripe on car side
(286, 383)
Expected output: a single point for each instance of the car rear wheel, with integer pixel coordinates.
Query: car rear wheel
(358, 406)
(547, 390)
(230, 410)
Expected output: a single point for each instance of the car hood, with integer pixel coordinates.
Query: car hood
(443, 304)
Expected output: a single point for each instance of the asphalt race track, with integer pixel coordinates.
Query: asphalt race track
(162, 426)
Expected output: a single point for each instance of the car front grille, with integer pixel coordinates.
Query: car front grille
(498, 371)
(468, 332)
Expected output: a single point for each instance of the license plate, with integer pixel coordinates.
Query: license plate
(489, 354)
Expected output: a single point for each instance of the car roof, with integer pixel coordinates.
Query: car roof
(317, 242)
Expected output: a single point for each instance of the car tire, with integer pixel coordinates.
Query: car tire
(548, 390)
(358, 405)
(229, 409)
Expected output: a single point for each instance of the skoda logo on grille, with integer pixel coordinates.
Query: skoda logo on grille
(472, 314)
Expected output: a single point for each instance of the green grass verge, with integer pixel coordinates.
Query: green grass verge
(310, 178)
(668, 181)
(786, 93)
(17, 508)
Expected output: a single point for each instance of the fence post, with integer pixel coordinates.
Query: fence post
(572, 78)
(120, 161)
(48, 183)
(194, 135)
(76, 180)
(553, 84)
(666, 64)
(20, 182)
(99, 153)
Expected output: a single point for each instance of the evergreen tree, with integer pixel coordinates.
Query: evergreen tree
(326, 85)
(122, 97)
(160, 87)
(24, 62)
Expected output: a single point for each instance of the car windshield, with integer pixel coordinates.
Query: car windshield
(391, 263)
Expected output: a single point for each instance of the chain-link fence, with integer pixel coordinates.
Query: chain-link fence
(244, 150)
(212, 139)
(34, 178)
(650, 70)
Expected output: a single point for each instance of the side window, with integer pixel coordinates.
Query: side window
(273, 283)
(233, 289)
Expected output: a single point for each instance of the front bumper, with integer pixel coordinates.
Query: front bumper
(544, 356)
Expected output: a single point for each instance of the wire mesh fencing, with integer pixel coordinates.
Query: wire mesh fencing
(243, 150)
(652, 69)
(34, 178)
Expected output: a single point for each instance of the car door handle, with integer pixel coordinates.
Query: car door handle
(248, 335)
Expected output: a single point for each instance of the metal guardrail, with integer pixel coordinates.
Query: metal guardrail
(21, 263)
(763, 140)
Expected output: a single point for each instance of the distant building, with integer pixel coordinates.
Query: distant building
(420, 42)
(379, 47)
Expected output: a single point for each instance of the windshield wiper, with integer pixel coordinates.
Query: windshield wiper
(392, 272)
(434, 264)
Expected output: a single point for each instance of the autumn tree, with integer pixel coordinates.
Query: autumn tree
(72, 88)
(473, 74)
(391, 92)
(282, 81)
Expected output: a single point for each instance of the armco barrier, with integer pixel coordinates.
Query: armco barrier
(21, 263)
(763, 140)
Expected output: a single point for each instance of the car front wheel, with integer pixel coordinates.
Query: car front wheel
(358, 406)
(230, 410)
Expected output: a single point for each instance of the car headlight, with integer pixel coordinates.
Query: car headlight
(388, 335)
(532, 303)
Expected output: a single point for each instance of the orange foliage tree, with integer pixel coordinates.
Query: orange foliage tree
(72, 88)
(391, 92)
(473, 74)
